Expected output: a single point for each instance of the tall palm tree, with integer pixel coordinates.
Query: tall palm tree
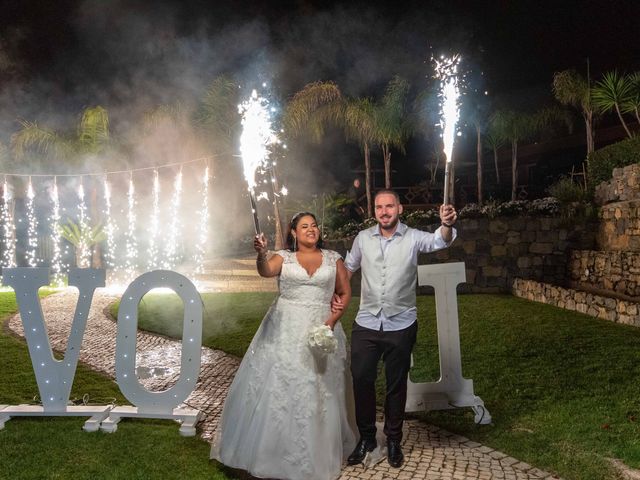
(571, 88)
(517, 126)
(495, 141)
(320, 104)
(359, 121)
(613, 92)
(392, 127)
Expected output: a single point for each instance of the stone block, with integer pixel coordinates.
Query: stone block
(492, 271)
(541, 248)
(498, 251)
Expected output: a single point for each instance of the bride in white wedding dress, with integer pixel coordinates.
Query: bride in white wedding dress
(286, 414)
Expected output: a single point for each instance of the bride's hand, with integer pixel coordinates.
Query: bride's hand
(260, 244)
(336, 303)
(330, 324)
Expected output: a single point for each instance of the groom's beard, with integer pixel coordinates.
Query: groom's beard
(389, 226)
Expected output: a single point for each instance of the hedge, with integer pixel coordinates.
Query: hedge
(600, 164)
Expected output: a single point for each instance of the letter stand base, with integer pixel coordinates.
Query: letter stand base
(187, 417)
(97, 413)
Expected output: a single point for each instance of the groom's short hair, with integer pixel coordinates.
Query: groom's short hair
(387, 191)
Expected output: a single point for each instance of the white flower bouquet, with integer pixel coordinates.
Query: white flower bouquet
(322, 340)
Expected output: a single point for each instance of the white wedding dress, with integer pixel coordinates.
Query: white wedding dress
(286, 414)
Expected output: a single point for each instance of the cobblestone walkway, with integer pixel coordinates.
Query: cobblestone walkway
(431, 453)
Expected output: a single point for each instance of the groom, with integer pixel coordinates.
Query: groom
(386, 326)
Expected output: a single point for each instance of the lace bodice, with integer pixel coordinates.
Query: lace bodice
(296, 285)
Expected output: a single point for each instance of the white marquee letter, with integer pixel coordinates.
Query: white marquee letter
(54, 377)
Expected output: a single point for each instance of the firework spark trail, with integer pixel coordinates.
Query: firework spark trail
(152, 251)
(256, 138)
(32, 229)
(171, 247)
(446, 72)
(131, 255)
(110, 231)
(54, 219)
(83, 250)
(8, 228)
(203, 217)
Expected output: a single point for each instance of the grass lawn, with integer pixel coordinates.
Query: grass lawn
(562, 387)
(58, 448)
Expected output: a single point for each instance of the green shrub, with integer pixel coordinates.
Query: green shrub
(566, 191)
(600, 164)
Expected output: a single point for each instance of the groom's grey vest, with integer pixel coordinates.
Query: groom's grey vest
(389, 282)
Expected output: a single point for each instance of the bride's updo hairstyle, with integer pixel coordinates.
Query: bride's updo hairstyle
(291, 243)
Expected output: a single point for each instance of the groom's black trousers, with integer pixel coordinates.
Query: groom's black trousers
(367, 347)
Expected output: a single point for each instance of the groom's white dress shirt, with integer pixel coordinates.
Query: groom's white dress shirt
(389, 274)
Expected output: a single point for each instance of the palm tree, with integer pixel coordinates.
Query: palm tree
(633, 104)
(217, 115)
(320, 104)
(359, 120)
(570, 88)
(516, 126)
(391, 127)
(495, 141)
(613, 92)
(313, 108)
(83, 238)
(90, 139)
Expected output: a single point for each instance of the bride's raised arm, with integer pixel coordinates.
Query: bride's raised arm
(267, 267)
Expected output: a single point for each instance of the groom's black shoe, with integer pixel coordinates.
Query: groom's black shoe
(394, 454)
(361, 450)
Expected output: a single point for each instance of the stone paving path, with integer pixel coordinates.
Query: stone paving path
(431, 453)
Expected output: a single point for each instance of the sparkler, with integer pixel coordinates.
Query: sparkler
(8, 228)
(171, 247)
(84, 253)
(446, 71)
(56, 259)
(255, 140)
(110, 230)
(32, 229)
(203, 216)
(152, 251)
(131, 243)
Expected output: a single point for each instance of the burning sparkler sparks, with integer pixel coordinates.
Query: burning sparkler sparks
(8, 228)
(203, 224)
(131, 255)
(171, 247)
(84, 252)
(446, 72)
(32, 229)
(110, 231)
(56, 237)
(152, 251)
(255, 141)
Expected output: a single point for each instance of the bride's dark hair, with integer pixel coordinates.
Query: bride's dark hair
(293, 224)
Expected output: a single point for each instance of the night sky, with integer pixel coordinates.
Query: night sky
(56, 58)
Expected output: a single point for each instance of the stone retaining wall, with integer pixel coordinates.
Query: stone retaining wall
(619, 311)
(617, 272)
(624, 185)
(496, 251)
(619, 227)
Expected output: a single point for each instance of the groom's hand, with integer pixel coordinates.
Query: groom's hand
(336, 304)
